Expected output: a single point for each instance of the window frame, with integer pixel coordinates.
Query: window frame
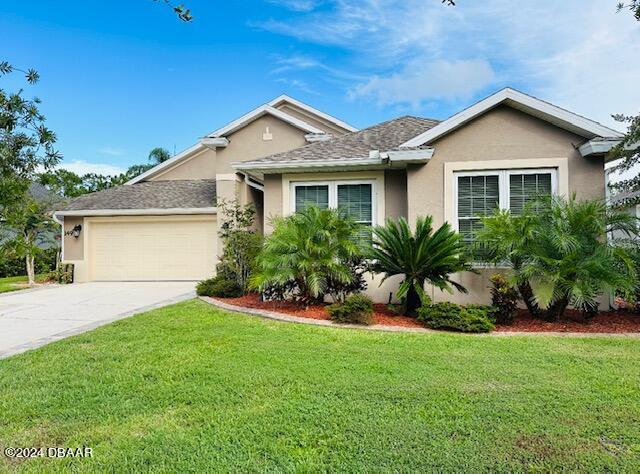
(333, 193)
(504, 192)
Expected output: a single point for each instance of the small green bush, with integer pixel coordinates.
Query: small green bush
(219, 286)
(504, 299)
(63, 274)
(473, 318)
(356, 309)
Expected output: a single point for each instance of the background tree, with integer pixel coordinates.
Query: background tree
(628, 150)
(26, 144)
(181, 11)
(159, 155)
(30, 223)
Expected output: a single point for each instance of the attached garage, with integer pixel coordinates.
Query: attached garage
(151, 249)
(149, 231)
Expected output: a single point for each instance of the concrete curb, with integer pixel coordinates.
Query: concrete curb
(398, 329)
(92, 325)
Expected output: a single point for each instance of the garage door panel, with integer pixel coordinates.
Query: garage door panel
(153, 250)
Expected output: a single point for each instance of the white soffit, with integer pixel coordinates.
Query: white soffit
(538, 108)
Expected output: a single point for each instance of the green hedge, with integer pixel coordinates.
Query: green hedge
(356, 309)
(219, 286)
(472, 318)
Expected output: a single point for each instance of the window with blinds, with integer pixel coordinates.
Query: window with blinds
(354, 198)
(356, 201)
(523, 188)
(479, 194)
(317, 195)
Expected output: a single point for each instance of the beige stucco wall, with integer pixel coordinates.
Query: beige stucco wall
(248, 144)
(395, 188)
(73, 247)
(272, 199)
(515, 139)
(201, 165)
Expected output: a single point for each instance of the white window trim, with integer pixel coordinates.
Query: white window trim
(503, 185)
(333, 193)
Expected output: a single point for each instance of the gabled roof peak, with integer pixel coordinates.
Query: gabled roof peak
(526, 103)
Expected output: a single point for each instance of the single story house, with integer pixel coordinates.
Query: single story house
(501, 150)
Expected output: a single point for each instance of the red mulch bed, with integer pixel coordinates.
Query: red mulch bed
(382, 314)
(604, 322)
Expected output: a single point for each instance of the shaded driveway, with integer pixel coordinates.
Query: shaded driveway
(30, 319)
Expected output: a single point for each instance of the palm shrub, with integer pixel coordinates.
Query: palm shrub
(309, 253)
(424, 256)
(559, 253)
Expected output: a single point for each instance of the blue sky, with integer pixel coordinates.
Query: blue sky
(121, 77)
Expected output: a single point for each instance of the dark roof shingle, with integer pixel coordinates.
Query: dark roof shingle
(150, 195)
(383, 136)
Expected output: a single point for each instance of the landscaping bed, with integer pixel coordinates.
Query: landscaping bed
(604, 322)
(382, 315)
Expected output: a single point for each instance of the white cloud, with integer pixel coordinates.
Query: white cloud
(580, 54)
(297, 5)
(298, 84)
(418, 81)
(81, 167)
(110, 151)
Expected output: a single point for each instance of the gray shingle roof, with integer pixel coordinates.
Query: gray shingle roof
(150, 195)
(384, 136)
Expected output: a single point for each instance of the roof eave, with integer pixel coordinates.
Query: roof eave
(308, 108)
(597, 147)
(136, 212)
(308, 165)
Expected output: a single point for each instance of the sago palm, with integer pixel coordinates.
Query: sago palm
(421, 257)
(309, 249)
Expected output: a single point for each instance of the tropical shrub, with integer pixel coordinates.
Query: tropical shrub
(308, 253)
(446, 315)
(63, 274)
(241, 243)
(356, 309)
(504, 299)
(423, 256)
(219, 286)
(559, 253)
(340, 289)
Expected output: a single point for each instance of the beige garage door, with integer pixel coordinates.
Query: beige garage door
(152, 249)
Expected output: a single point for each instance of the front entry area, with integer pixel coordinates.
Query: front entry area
(169, 248)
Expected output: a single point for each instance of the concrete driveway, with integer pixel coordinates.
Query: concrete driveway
(33, 318)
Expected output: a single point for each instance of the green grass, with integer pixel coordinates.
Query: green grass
(191, 388)
(10, 283)
(17, 283)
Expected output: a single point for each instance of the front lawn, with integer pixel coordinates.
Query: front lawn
(12, 283)
(190, 388)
